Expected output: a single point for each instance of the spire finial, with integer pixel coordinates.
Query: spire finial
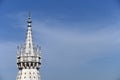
(29, 14)
(29, 21)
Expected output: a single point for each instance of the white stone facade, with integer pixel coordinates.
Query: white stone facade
(28, 58)
(28, 74)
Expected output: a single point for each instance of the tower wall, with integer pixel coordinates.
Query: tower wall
(28, 74)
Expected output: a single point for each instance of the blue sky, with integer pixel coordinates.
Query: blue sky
(80, 39)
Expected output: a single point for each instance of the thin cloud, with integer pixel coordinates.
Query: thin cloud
(74, 47)
(83, 47)
(7, 60)
(68, 49)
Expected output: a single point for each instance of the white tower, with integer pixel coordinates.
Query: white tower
(28, 57)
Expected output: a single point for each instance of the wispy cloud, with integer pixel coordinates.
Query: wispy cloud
(67, 40)
(7, 60)
(66, 47)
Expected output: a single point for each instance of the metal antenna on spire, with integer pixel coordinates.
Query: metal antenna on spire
(29, 15)
(29, 19)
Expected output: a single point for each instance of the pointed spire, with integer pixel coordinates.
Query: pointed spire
(29, 43)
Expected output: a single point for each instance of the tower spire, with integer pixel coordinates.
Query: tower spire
(29, 41)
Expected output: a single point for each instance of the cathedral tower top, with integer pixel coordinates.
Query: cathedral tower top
(28, 57)
(28, 54)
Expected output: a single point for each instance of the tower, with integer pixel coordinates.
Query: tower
(28, 57)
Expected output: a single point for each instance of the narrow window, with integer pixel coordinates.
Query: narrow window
(24, 77)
